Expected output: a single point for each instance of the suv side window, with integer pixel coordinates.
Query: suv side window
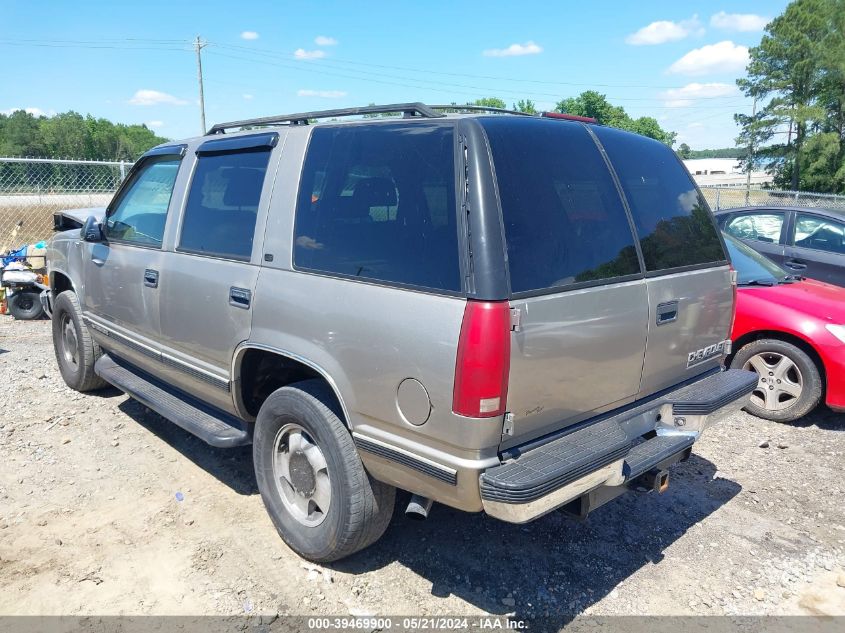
(820, 234)
(377, 201)
(222, 205)
(140, 214)
(673, 221)
(763, 227)
(563, 217)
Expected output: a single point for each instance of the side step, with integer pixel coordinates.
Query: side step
(212, 426)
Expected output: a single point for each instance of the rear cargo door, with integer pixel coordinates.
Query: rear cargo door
(690, 296)
(574, 274)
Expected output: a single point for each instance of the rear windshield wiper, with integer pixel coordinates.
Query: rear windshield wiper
(759, 282)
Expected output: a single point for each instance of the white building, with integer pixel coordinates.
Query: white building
(723, 172)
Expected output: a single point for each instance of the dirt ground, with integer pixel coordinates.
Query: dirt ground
(106, 508)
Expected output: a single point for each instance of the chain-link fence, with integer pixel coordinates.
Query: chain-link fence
(32, 189)
(732, 197)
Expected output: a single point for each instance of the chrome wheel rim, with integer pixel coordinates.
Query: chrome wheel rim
(780, 383)
(70, 344)
(301, 475)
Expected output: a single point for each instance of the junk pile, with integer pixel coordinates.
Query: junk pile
(23, 277)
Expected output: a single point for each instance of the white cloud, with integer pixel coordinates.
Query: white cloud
(685, 96)
(325, 40)
(147, 97)
(514, 50)
(724, 57)
(325, 94)
(301, 53)
(249, 35)
(664, 31)
(154, 125)
(743, 22)
(696, 124)
(36, 112)
(248, 97)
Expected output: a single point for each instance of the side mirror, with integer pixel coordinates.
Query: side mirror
(91, 230)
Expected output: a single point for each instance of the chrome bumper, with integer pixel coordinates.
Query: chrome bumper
(611, 453)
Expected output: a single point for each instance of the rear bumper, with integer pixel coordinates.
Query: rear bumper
(552, 473)
(613, 452)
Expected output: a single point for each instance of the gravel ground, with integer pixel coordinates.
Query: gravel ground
(106, 508)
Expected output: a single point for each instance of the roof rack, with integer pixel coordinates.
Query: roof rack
(478, 108)
(407, 109)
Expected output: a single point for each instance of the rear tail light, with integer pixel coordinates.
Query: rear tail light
(483, 360)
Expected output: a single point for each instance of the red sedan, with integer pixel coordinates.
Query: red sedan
(791, 331)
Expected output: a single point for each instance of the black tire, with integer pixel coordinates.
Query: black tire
(766, 354)
(360, 508)
(77, 368)
(25, 305)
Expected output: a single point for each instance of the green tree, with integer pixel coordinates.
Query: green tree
(490, 102)
(525, 105)
(20, 135)
(684, 151)
(798, 72)
(71, 135)
(595, 105)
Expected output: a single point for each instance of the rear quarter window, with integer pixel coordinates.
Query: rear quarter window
(563, 218)
(674, 224)
(377, 201)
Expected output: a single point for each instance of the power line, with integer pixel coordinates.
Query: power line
(436, 72)
(422, 83)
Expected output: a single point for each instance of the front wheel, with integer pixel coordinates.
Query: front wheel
(789, 384)
(25, 305)
(76, 351)
(322, 501)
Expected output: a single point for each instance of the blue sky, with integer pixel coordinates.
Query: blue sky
(133, 62)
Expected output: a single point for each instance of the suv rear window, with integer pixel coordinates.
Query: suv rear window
(673, 221)
(377, 201)
(564, 220)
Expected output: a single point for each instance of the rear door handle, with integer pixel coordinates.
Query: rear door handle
(667, 312)
(795, 264)
(151, 278)
(240, 297)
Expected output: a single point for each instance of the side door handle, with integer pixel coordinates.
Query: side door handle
(795, 264)
(151, 278)
(667, 312)
(240, 297)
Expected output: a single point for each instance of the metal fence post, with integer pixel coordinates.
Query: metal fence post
(718, 198)
(122, 171)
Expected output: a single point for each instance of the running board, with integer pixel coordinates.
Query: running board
(210, 425)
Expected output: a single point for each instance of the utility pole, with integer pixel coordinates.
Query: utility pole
(199, 45)
(752, 131)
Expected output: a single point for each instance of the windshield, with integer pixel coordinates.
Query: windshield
(750, 265)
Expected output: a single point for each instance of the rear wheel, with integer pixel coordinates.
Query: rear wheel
(323, 503)
(76, 351)
(25, 305)
(789, 383)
